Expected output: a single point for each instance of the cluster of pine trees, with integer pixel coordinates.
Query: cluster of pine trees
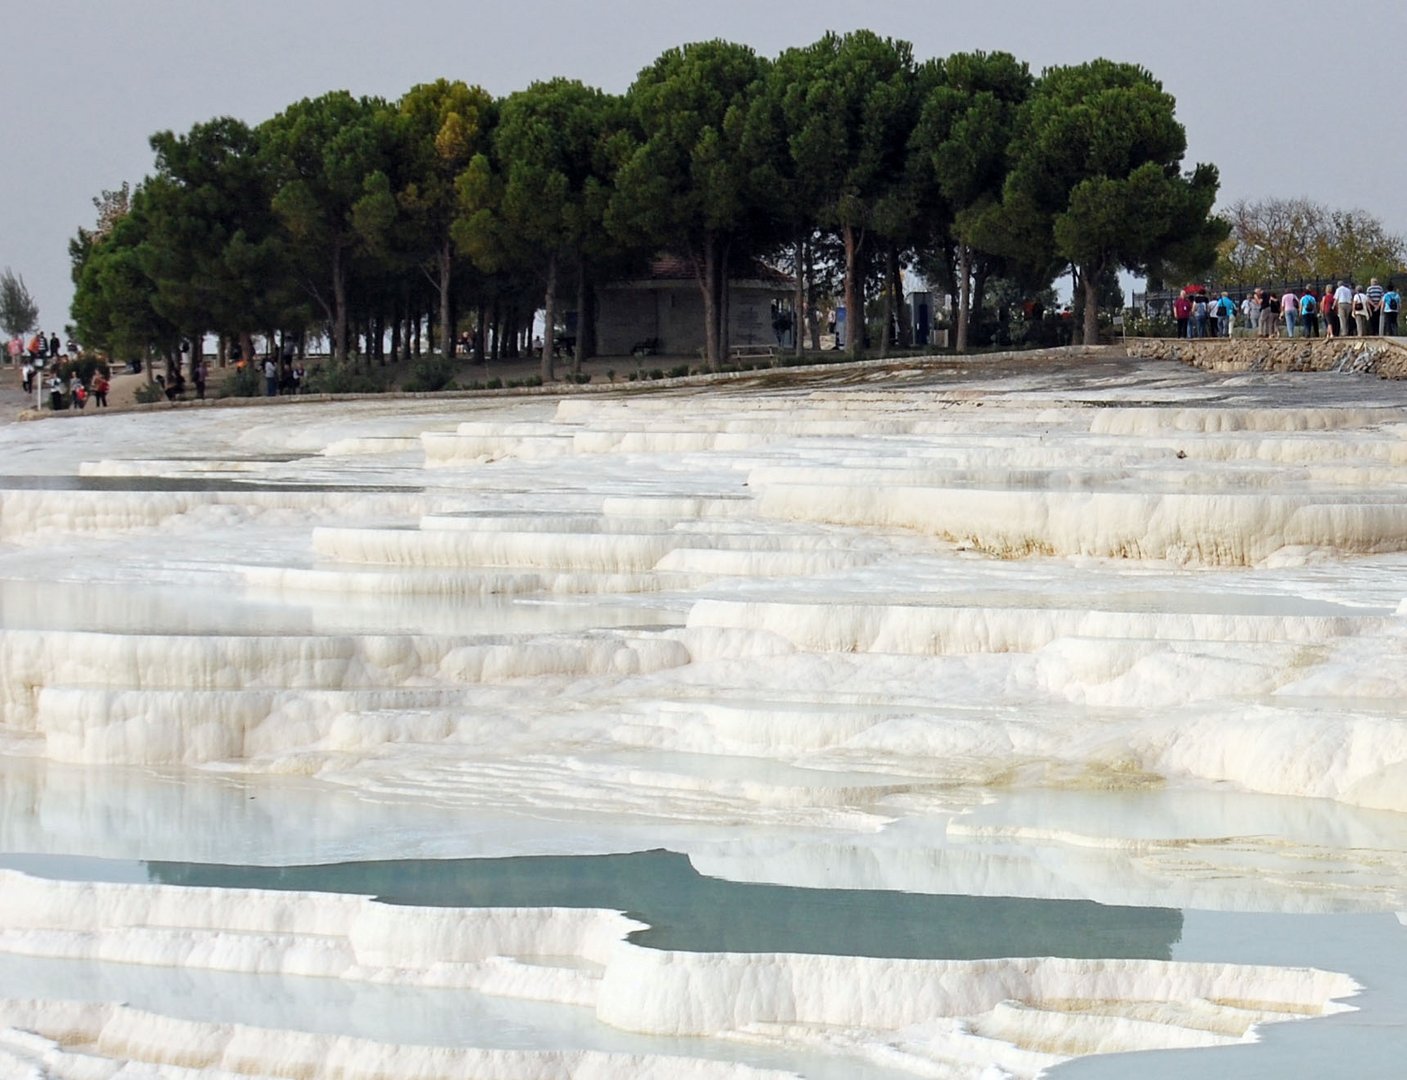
(351, 215)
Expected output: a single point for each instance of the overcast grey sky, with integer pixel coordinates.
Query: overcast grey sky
(1287, 98)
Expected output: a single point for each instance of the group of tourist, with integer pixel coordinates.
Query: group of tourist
(74, 393)
(39, 347)
(1343, 310)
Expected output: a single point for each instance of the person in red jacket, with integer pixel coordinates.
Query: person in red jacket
(1182, 311)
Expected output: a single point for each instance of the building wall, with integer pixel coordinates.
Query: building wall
(674, 315)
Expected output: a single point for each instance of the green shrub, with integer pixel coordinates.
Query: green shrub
(149, 394)
(657, 373)
(429, 375)
(241, 382)
(494, 384)
(348, 378)
(679, 371)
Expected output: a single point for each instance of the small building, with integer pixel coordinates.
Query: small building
(666, 309)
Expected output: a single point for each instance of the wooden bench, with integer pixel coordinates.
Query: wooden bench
(753, 352)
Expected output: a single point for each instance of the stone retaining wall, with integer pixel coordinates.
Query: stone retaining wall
(1383, 357)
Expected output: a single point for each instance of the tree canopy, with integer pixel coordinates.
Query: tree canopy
(846, 159)
(19, 314)
(1283, 240)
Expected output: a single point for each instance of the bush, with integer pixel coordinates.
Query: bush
(494, 384)
(241, 382)
(679, 371)
(348, 378)
(149, 394)
(429, 375)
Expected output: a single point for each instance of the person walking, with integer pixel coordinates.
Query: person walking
(1392, 304)
(1182, 312)
(1269, 316)
(1309, 314)
(270, 376)
(1374, 292)
(1359, 309)
(1289, 308)
(1343, 304)
(198, 375)
(1331, 318)
(100, 388)
(1225, 314)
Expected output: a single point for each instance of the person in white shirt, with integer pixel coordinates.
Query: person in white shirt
(1343, 301)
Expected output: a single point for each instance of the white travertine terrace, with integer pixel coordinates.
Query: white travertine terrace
(849, 637)
(1022, 1014)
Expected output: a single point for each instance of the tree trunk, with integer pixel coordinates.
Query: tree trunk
(798, 300)
(964, 295)
(446, 308)
(813, 316)
(1091, 330)
(980, 272)
(854, 320)
(548, 315)
(339, 307)
(708, 284)
(725, 296)
(896, 283)
(887, 314)
(579, 345)
(586, 320)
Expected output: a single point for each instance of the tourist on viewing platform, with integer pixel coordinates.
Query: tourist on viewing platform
(56, 392)
(270, 377)
(1343, 304)
(1269, 317)
(1289, 307)
(1182, 312)
(1374, 292)
(1225, 313)
(1392, 304)
(1309, 314)
(1331, 318)
(100, 388)
(15, 348)
(1360, 311)
(1198, 326)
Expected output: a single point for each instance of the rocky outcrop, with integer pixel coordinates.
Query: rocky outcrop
(1383, 357)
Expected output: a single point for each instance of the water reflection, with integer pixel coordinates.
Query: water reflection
(690, 912)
